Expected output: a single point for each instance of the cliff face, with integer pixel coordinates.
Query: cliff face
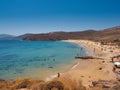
(106, 34)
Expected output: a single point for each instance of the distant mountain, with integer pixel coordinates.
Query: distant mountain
(11, 37)
(109, 34)
(23, 36)
(6, 37)
(106, 34)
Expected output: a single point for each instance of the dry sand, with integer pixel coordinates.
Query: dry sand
(93, 69)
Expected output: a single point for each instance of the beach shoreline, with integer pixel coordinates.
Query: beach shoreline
(85, 71)
(92, 69)
(81, 64)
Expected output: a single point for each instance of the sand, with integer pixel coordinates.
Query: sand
(89, 70)
(93, 69)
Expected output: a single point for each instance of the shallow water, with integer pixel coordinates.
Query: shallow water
(35, 59)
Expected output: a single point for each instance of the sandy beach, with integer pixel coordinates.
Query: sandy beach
(93, 69)
(81, 74)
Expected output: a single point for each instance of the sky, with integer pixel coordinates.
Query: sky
(40, 16)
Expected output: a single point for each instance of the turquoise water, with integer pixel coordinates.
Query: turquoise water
(35, 59)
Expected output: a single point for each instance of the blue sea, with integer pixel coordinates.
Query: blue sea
(36, 59)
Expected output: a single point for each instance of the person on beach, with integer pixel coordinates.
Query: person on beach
(58, 74)
(112, 59)
(114, 69)
(101, 49)
(94, 50)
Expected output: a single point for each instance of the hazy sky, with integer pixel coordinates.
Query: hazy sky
(37, 16)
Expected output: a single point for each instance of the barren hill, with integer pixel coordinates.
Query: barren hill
(109, 34)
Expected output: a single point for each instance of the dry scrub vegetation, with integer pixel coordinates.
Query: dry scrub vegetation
(55, 84)
(29, 84)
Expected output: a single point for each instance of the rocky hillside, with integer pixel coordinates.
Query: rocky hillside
(109, 34)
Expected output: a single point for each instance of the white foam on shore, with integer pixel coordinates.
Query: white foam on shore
(75, 66)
